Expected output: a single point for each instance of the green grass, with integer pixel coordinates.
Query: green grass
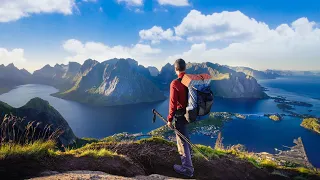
(156, 140)
(312, 124)
(37, 149)
(208, 152)
(98, 153)
(268, 163)
(80, 142)
(253, 161)
(91, 152)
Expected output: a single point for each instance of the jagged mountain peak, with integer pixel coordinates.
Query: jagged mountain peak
(47, 66)
(12, 66)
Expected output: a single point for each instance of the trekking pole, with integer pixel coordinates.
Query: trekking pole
(155, 113)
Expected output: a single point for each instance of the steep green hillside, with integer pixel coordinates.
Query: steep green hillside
(35, 120)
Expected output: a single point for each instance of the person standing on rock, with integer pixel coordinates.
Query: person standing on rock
(177, 109)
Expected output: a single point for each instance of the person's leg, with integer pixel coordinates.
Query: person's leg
(183, 148)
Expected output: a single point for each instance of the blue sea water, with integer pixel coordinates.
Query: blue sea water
(257, 133)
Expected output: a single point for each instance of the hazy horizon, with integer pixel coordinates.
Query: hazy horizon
(252, 34)
(159, 68)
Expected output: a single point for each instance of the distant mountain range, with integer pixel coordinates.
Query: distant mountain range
(123, 81)
(256, 74)
(10, 76)
(272, 74)
(225, 83)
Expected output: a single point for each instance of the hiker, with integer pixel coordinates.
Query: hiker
(177, 109)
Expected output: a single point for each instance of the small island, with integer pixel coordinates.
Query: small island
(274, 117)
(312, 124)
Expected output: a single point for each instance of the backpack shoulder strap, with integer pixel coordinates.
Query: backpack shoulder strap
(187, 90)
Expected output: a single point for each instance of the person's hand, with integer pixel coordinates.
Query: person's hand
(169, 124)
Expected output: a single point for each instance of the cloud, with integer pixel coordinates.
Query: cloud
(156, 34)
(174, 2)
(294, 46)
(225, 26)
(137, 10)
(11, 10)
(13, 56)
(131, 2)
(99, 51)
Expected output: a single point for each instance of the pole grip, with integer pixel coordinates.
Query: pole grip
(155, 112)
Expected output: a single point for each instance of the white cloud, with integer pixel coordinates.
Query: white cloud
(174, 2)
(11, 10)
(137, 10)
(131, 2)
(99, 51)
(227, 26)
(13, 56)
(294, 46)
(156, 34)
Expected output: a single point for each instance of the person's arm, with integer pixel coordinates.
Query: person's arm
(173, 101)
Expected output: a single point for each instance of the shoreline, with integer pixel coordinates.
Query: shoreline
(4, 90)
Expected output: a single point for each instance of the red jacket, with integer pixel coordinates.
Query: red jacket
(178, 94)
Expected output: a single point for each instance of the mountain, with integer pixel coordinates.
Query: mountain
(59, 76)
(225, 83)
(39, 114)
(153, 71)
(113, 82)
(11, 76)
(255, 73)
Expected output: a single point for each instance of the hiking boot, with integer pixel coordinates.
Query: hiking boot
(181, 170)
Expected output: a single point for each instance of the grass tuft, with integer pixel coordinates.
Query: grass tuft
(268, 163)
(36, 149)
(208, 152)
(97, 153)
(158, 140)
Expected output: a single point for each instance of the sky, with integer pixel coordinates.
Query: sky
(273, 34)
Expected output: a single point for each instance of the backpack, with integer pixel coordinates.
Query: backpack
(200, 97)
